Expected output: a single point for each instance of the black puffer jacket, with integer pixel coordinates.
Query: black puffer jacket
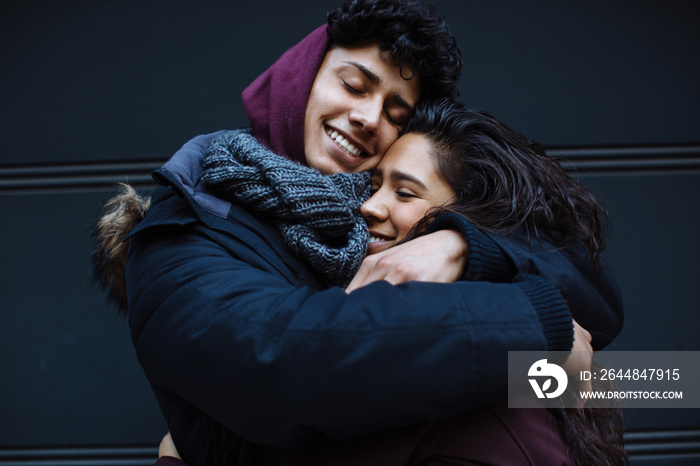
(244, 346)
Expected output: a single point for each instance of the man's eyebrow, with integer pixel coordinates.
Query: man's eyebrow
(376, 80)
(371, 75)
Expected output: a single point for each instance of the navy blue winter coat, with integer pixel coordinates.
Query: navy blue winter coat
(244, 346)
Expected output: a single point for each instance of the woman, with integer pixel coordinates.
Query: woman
(246, 347)
(467, 163)
(452, 160)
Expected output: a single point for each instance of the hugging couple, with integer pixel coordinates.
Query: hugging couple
(341, 282)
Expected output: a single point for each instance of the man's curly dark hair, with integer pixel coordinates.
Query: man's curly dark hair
(415, 35)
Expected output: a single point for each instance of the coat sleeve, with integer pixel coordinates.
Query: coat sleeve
(592, 294)
(276, 363)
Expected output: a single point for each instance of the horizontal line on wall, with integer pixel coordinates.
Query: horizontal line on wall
(74, 176)
(675, 442)
(600, 160)
(78, 456)
(652, 444)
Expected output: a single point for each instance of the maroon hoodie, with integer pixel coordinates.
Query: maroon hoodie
(276, 101)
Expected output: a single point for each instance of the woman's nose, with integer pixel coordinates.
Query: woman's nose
(374, 208)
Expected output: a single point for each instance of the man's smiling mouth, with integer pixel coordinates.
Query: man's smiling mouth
(343, 143)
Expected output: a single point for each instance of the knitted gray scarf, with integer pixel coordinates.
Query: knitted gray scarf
(318, 216)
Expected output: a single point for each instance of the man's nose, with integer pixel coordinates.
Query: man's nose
(368, 115)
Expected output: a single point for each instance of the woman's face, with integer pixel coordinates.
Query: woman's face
(358, 104)
(405, 186)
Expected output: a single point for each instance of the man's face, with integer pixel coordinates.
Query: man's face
(358, 104)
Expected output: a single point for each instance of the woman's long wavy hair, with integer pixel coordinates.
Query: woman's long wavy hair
(504, 182)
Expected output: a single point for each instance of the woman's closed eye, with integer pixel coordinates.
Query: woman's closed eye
(405, 194)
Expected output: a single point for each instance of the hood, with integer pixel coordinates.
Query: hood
(276, 101)
(121, 214)
(276, 106)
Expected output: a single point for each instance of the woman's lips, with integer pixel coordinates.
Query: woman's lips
(378, 243)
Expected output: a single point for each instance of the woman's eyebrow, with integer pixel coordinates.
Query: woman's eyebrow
(376, 80)
(403, 176)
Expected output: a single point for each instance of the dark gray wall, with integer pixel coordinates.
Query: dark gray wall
(96, 92)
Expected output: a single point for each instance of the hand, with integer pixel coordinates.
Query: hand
(167, 447)
(437, 257)
(581, 356)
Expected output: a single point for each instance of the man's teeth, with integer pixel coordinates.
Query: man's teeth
(344, 143)
(374, 239)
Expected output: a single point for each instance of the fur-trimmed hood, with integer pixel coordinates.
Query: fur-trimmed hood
(121, 215)
(126, 210)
